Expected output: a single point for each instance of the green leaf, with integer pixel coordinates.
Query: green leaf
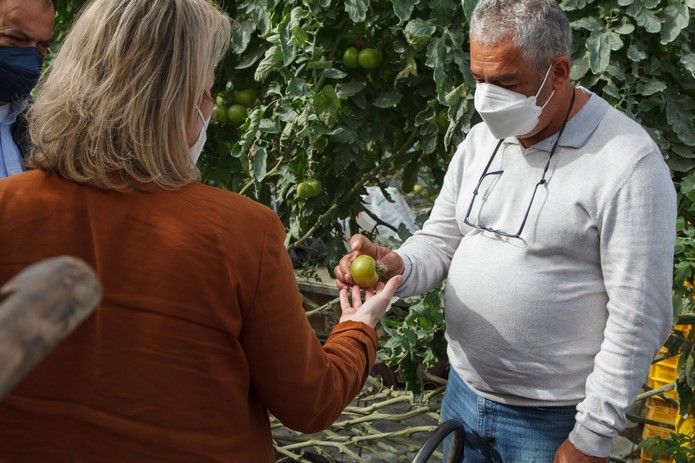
(271, 62)
(599, 46)
(410, 69)
(625, 2)
(404, 8)
(590, 23)
(625, 28)
(679, 164)
(687, 185)
(635, 9)
(333, 73)
(612, 90)
(436, 54)
(688, 61)
(419, 31)
(241, 35)
(676, 18)
(649, 21)
(260, 164)
(652, 87)
(469, 6)
(350, 89)
(286, 41)
(250, 57)
(679, 117)
(388, 99)
(268, 126)
(297, 87)
(635, 54)
(580, 66)
(327, 105)
(616, 43)
(356, 9)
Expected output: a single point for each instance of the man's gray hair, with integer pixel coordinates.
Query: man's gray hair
(538, 27)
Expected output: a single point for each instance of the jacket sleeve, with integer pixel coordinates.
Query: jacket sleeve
(637, 241)
(306, 386)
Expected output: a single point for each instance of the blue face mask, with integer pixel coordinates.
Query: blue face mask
(20, 68)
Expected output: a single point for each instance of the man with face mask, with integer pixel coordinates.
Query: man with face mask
(26, 31)
(555, 230)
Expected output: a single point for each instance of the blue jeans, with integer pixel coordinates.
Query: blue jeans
(501, 433)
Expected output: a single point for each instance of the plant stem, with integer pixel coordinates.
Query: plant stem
(322, 308)
(370, 174)
(653, 392)
(270, 173)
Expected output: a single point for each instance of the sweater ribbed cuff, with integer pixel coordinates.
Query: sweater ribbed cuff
(407, 266)
(589, 442)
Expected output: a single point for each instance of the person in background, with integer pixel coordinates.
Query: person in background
(555, 229)
(26, 33)
(201, 330)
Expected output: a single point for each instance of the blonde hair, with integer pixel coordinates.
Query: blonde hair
(113, 109)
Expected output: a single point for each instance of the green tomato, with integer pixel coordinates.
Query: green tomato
(370, 58)
(363, 272)
(236, 114)
(219, 114)
(443, 120)
(309, 189)
(316, 187)
(245, 97)
(350, 58)
(418, 189)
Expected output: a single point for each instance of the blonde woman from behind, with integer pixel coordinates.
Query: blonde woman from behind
(201, 330)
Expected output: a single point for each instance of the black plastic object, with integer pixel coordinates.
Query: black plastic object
(437, 437)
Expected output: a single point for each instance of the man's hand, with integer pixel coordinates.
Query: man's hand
(568, 453)
(391, 264)
(375, 302)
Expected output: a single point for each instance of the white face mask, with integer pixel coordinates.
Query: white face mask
(197, 149)
(507, 113)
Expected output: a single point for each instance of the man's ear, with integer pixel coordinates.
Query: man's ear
(562, 68)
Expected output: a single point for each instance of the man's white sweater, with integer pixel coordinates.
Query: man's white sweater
(573, 311)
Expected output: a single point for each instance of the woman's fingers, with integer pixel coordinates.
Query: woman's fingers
(391, 286)
(368, 294)
(344, 300)
(356, 297)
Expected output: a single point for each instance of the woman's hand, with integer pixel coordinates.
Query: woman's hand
(375, 302)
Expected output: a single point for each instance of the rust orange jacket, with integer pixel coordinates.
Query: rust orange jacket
(200, 332)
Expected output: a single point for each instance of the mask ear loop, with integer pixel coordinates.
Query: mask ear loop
(545, 79)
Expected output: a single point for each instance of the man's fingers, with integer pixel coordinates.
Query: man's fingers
(361, 245)
(344, 265)
(339, 277)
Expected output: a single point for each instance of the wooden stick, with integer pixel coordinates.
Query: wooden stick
(39, 308)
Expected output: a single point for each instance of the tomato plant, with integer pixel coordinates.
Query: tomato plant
(317, 115)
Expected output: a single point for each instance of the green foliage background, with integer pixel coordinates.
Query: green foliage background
(347, 128)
